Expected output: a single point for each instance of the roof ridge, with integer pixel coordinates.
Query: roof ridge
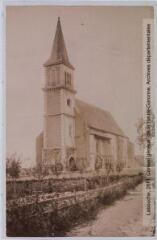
(93, 105)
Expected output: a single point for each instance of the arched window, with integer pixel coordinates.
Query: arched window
(72, 164)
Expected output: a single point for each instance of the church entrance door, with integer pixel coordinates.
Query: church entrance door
(72, 164)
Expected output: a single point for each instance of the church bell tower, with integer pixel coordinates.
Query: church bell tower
(59, 104)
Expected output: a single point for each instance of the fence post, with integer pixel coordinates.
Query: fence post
(85, 184)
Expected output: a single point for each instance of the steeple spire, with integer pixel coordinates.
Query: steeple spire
(59, 53)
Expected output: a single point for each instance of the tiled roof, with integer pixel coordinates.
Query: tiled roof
(98, 118)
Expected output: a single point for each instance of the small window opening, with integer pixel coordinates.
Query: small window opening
(68, 102)
(67, 78)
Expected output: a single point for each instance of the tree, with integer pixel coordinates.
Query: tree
(145, 130)
(13, 166)
(40, 172)
(109, 167)
(98, 163)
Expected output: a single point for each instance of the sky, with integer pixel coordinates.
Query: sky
(104, 45)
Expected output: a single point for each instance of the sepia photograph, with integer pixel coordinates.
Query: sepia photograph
(80, 123)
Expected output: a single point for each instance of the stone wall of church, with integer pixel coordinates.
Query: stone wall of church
(81, 139)
(67, 102)
(52, 102)
(125, 151)
(122, 144)
(114, 149)
(63, 70)
(51, 157)
(52, 132)
(131, 154)
(67, 132)
(52, 76)
(103, 146)
(92, 149)
(109, 147)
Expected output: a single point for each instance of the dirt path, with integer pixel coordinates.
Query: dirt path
(123, 218)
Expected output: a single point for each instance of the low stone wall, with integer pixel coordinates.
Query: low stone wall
(64, 183)
(67, 198)
(62, 207)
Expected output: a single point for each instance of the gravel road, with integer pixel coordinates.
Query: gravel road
(123, 218)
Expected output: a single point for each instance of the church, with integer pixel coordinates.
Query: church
(76, 136)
